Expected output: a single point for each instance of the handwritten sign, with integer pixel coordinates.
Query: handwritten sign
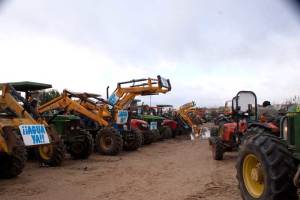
(34, 134)
(122, 117)
(113, 99)
(153, 125)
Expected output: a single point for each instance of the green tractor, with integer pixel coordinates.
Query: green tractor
(267, 165)
(78, 142)
(157, 126)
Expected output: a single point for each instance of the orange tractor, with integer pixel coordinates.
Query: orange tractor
(245, 121)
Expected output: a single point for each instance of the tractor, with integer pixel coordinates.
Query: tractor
(107, 139)
(20, 117)
(157, 125)
(125, 93)
(160, 126)
(77, 142)
(245, 121)
(229, 135)
(268, 165)
(226, 115)
(188, 120)
(166, 111)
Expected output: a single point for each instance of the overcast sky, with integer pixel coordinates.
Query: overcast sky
(209, 49)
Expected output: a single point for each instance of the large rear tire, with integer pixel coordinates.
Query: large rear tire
(108, 142)
(265, 169)
(135, 142)
(82, 148)
(11, 165)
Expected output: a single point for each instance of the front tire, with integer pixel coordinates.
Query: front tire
(217, 148)
(11, 165)
(265, 169)
(82, 148)
(108, 142)
(134, 143)
(166, 132)
(156, 135)
(148, 137)
(50, 154)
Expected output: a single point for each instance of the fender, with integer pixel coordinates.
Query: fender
(230, 128)
(139, 124)
(267, 126)
(171, 123)
(227, 130)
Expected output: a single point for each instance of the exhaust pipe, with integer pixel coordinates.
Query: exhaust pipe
(107, 92)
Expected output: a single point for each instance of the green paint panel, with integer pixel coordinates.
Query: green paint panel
(29, 86)
(152, 117)
(294, 127)
(60, 120)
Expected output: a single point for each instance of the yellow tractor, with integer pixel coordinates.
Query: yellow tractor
(188, 119)
(20, 115)
(106, 138)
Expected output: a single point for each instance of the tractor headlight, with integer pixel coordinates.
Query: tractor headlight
(285, 129)
(77, 127)
(72, 128)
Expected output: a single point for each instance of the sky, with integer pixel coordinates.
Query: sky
(208, 49)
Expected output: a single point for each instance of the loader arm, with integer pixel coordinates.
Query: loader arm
(66, 103)
(184, 112)
(125, 92)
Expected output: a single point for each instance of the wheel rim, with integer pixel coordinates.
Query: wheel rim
(253, 176)
(106, 142)
(46, 151)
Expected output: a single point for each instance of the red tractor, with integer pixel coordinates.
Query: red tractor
(245, 123)
(143, 126)
(166, 112)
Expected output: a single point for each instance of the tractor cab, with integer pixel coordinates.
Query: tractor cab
(245, 110)
(245, 105)
(32, 93)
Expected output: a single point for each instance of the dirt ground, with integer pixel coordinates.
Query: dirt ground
(177, 169)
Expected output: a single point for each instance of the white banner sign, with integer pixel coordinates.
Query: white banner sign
(122, 117)
(34, 134)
